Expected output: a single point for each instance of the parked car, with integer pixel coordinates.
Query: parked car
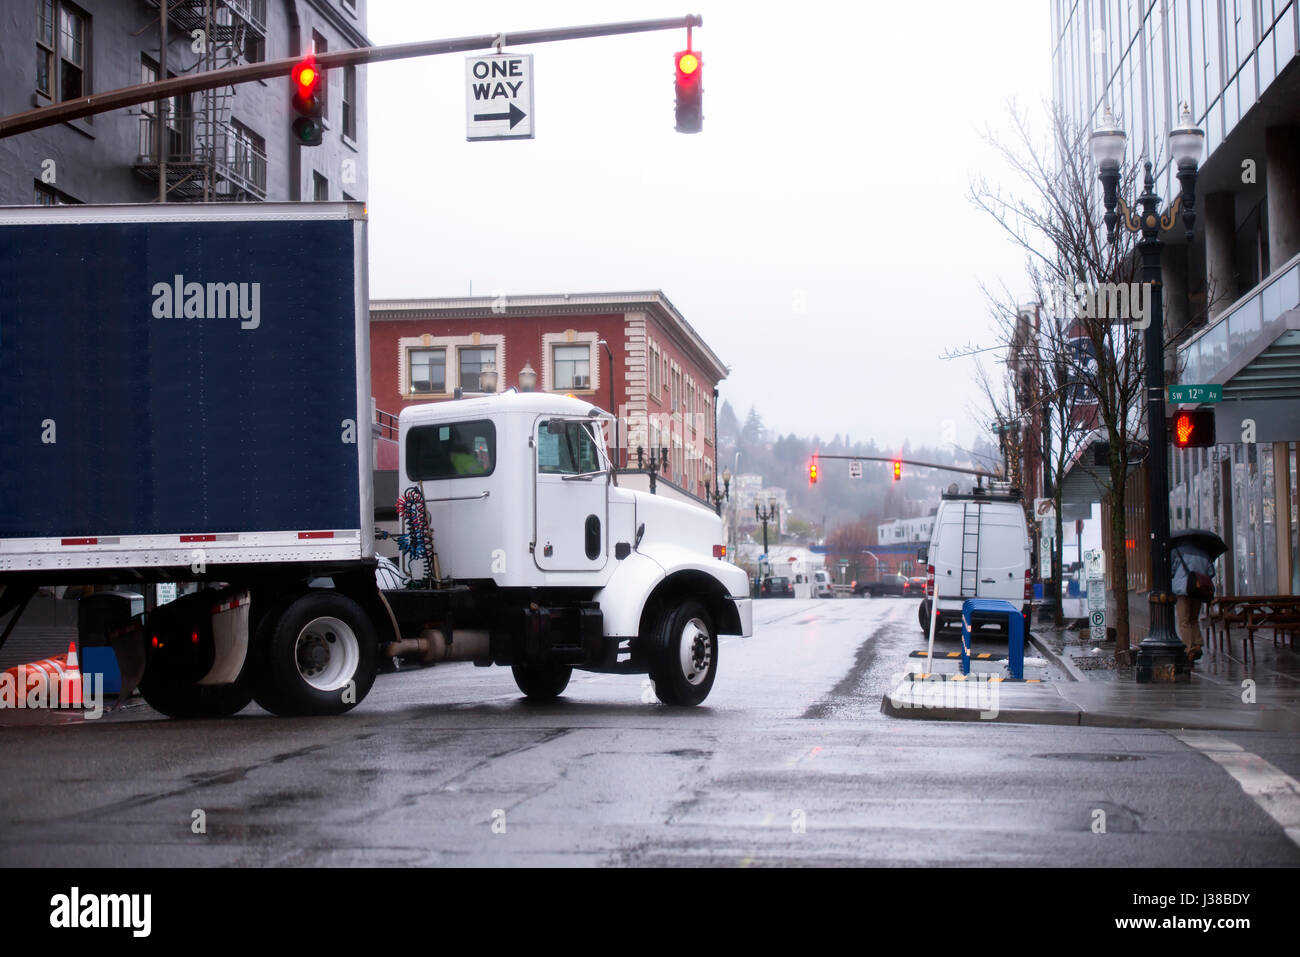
(979, 549)
(884, 585)
(822, 585)
(777, 586)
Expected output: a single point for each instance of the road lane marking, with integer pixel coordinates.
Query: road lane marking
(1272, 788)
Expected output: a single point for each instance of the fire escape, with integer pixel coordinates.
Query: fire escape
(207, 156)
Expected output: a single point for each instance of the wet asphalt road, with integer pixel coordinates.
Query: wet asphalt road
(789, 762)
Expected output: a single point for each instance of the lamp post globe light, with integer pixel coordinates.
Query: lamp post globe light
(1161, 656)
(487, 379)
(527, 378)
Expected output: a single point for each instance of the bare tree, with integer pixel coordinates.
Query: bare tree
(1095, 362)
(1040, 388)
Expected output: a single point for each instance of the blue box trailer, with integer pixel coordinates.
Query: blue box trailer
(184, 396)
(183, 385)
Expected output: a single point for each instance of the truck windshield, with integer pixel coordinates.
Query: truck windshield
(569, 451)
(451, 450)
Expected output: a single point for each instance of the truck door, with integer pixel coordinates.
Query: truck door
(570, 524)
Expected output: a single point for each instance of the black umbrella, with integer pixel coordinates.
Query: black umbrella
(1206, 541)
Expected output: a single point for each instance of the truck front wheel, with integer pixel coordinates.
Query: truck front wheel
(683, 654)
(542, 682)
(317, 656)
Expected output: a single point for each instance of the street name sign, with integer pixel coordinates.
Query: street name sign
(499, 97)
(1195, 393)
(855, 469)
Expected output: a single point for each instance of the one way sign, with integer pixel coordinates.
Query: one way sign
(499, 97)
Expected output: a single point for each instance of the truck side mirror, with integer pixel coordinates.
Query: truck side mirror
(923, 554)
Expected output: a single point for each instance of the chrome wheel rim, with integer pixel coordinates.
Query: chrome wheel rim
(326, 653)
(695, 651)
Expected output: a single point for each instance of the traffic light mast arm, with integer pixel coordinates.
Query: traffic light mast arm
(212, 79)
(891, 458)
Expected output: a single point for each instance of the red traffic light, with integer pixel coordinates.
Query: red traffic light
(812, 471)
(306, 78)
(1193, 429)
(690, 91)
(898, 469)
(308, 101)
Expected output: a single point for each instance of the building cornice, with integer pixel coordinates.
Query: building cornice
(490, 307)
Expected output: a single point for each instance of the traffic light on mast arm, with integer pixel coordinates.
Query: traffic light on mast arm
(1192, 429)
(690, 91)
(308, 102)
(812, 471)
(898, 469)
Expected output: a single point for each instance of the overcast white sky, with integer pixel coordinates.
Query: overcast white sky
(839, 141)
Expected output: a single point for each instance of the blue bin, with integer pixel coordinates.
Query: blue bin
(101, 661)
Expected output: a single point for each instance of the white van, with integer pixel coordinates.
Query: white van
(979, 549)
(822, 587)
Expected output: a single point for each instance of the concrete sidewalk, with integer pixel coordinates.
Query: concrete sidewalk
(1226, 691)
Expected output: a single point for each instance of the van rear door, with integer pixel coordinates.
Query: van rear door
(1002, 552)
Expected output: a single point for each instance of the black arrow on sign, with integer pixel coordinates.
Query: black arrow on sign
(514, 116)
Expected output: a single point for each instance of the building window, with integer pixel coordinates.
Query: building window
(572, 368)
(74, 31)
(428, 370)
(652, 384)
(246, 154)
(472, 362)
(47, 195)
(180, 120)
(62, 54)
(320, 187)
(44, 45)
(319, 46)
(254, 47)
(350, 102)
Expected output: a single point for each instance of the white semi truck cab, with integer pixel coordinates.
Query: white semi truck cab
(544, 563)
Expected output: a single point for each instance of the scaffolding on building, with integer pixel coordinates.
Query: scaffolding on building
(207, 156)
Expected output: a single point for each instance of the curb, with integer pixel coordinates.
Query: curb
(1074, 715)
(1062, 662)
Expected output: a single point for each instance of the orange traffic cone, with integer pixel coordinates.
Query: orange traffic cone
(70, 680)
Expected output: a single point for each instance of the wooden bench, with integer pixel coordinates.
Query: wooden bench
(1253, 612)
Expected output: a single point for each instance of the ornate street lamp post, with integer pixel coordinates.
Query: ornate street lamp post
(1161, 656)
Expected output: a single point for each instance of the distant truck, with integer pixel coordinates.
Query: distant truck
(185, 397)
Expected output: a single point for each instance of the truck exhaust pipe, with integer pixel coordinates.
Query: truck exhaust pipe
(433, 646)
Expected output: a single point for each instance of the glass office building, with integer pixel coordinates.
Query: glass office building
(1232, 297)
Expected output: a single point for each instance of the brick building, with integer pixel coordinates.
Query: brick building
(664, 376)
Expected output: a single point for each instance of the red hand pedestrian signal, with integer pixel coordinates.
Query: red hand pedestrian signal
(1193, 429)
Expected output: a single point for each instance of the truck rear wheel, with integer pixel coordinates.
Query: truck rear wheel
(683, 654)
(317, 655)
(542, 682)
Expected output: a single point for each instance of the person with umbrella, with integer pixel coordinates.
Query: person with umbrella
(1192, 552)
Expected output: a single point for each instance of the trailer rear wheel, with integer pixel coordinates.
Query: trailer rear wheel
(542, 682)
(195, 700)
(316, 655)
(683, 654)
